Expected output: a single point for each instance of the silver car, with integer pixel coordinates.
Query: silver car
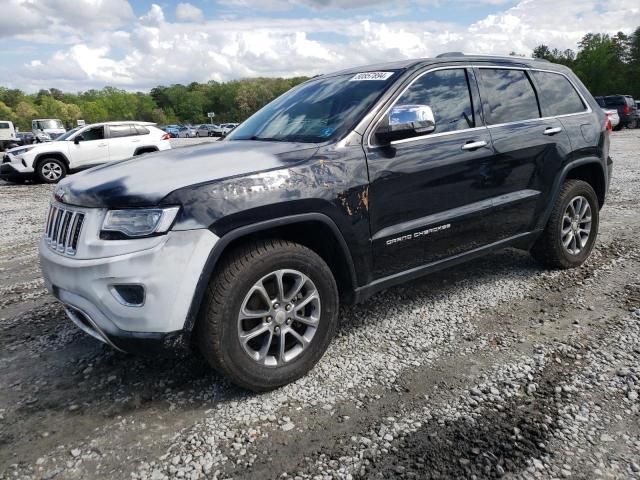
(204, 130)
(186, 131)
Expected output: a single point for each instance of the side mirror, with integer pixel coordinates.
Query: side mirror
(406, 121)
(77, 139)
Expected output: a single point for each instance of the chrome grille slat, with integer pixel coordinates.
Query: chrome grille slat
(63, 229)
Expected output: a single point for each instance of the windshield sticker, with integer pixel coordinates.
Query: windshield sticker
(376, 76)
(326, 132)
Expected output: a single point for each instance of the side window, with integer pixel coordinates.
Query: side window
(447, 93)
(557, 95)
(95, 133)
(141, 130)
(508, 96)
(117, 131)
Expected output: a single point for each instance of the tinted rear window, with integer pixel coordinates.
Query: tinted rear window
(508, 96)
(116, 131)
(614, 101)
(557, 95)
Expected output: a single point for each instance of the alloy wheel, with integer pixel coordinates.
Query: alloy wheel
(576, 225)
(279, 317)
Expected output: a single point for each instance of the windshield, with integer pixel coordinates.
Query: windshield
(66, 135)
(316, 111)
(49, 124)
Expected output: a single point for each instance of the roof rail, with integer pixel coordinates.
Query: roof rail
(450, 54)
(514, 57)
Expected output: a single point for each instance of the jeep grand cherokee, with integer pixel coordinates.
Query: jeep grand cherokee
(347, 184)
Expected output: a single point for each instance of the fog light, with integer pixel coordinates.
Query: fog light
(128, 295)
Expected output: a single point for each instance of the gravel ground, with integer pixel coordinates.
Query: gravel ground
(498, 369)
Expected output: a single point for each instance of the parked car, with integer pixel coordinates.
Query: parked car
(186, 132)
(625, 105)
(637, 113)
(612, 115)
(80, 148)
(172, 130)
(246, 248)
(226, 128)
(47, 129)
(205, 130)
(216, 130)
(7, 134)
(25, 138)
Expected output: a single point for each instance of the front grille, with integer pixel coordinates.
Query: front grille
(63, 230)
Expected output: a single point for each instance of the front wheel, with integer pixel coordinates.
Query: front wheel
(51, 170)
(571, 231)
(268, 315)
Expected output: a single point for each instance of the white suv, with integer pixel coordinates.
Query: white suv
(80, 148)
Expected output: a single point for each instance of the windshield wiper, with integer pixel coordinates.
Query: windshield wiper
(267, 139)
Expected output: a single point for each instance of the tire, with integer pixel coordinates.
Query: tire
(549, 249)
(197, 134)
(618, 127)
(50, 170)
(233, 288)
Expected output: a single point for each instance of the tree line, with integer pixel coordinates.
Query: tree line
(606, 64)
(230, 101)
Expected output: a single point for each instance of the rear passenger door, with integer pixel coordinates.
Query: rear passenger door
(123, 140)
(530, 149)
(559, 98)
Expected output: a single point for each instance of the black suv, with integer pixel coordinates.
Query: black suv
(624, 104)
(348, 184)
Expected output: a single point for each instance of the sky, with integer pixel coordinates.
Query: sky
(76, 45)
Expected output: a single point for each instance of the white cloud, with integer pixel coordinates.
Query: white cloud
(150, 50)
(188, 13)
(154, 16)
(26, 17)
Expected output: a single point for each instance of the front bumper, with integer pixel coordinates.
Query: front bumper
(169, 271)
(13, 171)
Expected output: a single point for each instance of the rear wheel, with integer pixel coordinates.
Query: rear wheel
(50, 170)
(268, 315)
(572, 228)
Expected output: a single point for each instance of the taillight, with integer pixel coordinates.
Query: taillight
(626, 110)
(608, 125)
(166, 136)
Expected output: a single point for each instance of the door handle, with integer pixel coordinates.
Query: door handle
(474, 145)
(137, 140)
(552, 130)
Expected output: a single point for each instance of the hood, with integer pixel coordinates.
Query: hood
(37, 147)
(147, 179)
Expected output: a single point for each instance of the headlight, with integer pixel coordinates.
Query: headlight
(140, 222)
(20, 151)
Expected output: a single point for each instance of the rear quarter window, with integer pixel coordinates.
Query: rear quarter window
(557, 95)
(508, 96)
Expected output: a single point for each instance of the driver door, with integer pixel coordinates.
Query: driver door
(89, 148)
(431, 194)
